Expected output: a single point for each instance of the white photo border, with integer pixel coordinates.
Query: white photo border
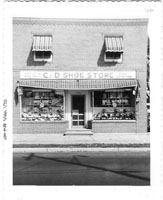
(91, 10)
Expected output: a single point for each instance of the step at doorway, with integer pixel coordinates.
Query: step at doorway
(78, 131)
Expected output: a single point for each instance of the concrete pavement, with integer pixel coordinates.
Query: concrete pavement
(106, 138)
(95, 142)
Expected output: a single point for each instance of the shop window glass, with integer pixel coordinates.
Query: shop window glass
(113, 57)
(42, 105)
(43, 56)
(114, 105)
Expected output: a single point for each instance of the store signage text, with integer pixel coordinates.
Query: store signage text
(77, 74)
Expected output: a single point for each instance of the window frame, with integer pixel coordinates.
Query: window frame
(118, 113)
(119, 60)
(42, 59)
(41, 90)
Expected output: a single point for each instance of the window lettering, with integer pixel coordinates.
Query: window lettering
(114, 105)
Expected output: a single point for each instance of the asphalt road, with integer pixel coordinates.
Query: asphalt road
(81, 168)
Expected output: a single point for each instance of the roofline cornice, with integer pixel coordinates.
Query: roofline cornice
(65, 21)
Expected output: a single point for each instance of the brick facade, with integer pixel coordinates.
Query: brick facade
(114, 127)
(79, 45)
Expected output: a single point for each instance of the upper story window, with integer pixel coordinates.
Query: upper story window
(42, 48)
(114, 49)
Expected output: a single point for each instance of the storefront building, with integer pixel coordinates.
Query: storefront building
(79, 74)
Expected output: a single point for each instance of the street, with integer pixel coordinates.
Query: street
(82, 168)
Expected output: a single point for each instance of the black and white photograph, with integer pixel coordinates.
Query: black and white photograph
(80, 83)
(81, 100)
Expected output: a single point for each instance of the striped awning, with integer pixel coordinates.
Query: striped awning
(42, 43)
(94, 84)
(114, 44)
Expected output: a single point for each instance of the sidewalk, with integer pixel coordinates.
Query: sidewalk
(58, 142)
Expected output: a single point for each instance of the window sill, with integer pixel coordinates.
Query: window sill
(43, 60)
(57, 121)
(113, 61)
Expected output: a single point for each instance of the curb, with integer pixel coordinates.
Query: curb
(85, 145)
(67, 150)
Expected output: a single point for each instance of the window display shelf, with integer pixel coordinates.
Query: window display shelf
(119, 98)
(113, 120)
(116, 114)
(55, 121)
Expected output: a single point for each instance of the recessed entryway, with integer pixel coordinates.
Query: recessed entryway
(78, 110)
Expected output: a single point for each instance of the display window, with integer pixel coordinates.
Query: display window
(42, 105)
(114, 104)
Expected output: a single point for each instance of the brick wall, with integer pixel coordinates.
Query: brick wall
(114, 127)
(40, 128)
(80, 46)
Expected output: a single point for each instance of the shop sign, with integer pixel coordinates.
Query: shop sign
(77, 75)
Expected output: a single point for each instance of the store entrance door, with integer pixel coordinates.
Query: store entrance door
(78, 110)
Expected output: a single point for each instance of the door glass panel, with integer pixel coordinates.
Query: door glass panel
(81, 123)
(81, 117)
(75, 123)
(75, 117)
